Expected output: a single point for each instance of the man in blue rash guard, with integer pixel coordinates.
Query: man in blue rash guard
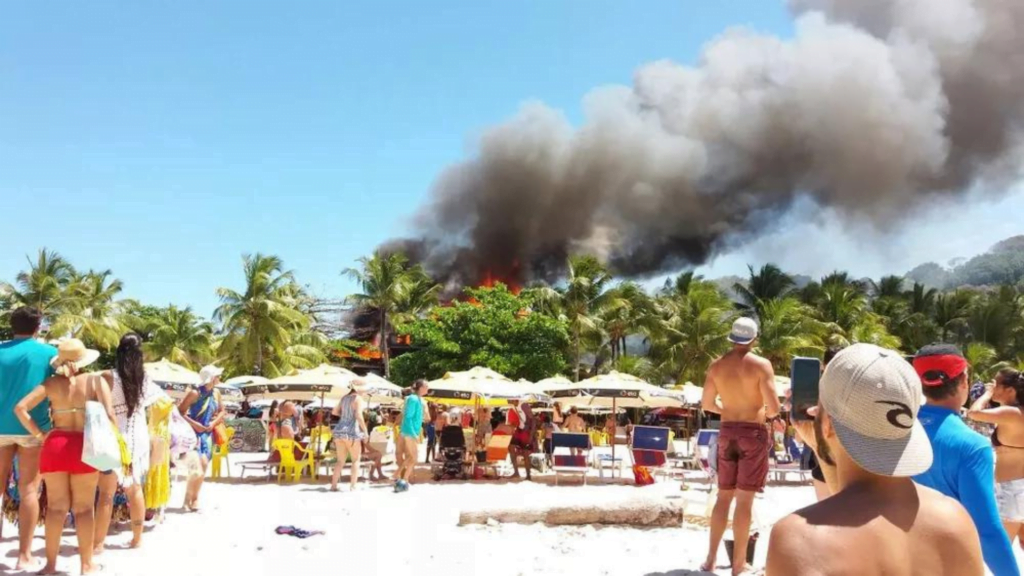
(963, 466)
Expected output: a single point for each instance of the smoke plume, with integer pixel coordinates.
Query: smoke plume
(874, 109)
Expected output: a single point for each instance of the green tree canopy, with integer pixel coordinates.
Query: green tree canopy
(495, 329)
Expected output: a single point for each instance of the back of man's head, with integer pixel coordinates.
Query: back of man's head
(871, 396)
(25, 321)
(942, 369)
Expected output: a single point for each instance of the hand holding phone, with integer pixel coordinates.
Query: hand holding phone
(805, 375)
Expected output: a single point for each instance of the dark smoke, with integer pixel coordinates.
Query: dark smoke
(875, 108)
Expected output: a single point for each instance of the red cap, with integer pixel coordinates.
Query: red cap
(949, 365)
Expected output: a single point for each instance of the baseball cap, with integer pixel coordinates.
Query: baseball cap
(209, 373)
(938, 363)
(744, 331)
(872, 396)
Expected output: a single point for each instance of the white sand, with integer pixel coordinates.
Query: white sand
(414, 532)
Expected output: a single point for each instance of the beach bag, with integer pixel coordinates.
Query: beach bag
(642, 476)
(183, 438)
(220, 434)
(100, 448)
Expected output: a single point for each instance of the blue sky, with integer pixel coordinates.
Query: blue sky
(165, 140)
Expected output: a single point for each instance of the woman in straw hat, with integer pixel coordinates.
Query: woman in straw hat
(132, 393)
(70, 483)
(349, 433)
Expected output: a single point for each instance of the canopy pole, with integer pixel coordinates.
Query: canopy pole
(317, 457)
(615, 418)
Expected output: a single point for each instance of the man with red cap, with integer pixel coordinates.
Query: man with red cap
(963, 465)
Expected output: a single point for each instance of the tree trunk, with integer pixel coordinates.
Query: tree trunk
(384, 343)
(576, 367)
(622, 347)
(259, 359)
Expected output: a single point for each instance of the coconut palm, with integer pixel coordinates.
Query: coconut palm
(260, 323)
(982, 359)
(769, 283)
(181, 337)
(951, 313)
(389, 285)
(888, 287)
(692, 333)
(44, 285)
(790, 328)
(636, 315)
(89, 310)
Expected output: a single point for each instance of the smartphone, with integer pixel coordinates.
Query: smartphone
(804, 375)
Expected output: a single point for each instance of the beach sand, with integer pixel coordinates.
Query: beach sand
(374, 531)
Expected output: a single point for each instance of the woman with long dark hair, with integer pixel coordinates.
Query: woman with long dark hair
(132, 393)
(1008, 442)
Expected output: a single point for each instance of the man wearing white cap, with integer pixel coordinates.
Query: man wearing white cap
(740, 386)
(880, 521)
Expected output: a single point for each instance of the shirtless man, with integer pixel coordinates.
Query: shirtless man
(879, 522)
(574, 423)
(740, 386)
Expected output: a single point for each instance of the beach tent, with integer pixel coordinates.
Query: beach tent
(173, 378)
(480, 386)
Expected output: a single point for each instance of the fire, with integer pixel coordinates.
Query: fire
(509, 278)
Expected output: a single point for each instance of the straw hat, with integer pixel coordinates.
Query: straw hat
(73, 352)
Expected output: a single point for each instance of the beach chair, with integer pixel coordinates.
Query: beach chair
(705, 455)
(649, 448)
(779, 473)
(294, 460)
(496, 455)
(220, 456)
(575, 462)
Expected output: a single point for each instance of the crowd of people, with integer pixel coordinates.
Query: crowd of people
(47, 396)
(906, 485)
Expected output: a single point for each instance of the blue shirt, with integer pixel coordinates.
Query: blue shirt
(412, 417)
(24, 364)
(964, 469)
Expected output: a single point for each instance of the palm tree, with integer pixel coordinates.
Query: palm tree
(89, 310)
(636, 315)
(259, 323)
(789, 328)
(769, 283)
(692, 332)
(951, 313)
(982, 359)
(44, 285)
(181, 337)
(391, 286)
(888, 287)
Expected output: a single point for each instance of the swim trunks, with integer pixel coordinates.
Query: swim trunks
(743, 456)
(62, 452)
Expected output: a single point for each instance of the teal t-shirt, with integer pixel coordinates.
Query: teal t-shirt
(412, 418)
(24, 364)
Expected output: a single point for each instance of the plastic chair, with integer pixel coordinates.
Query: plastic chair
(291, 466)
(220, 454)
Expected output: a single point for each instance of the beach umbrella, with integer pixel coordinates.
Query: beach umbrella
(381, 391)
(479, 386)
(613, 390)
(782, 386)
(302, 386)
(692, 394)
(239, 380)
(173, 378)
(230, 394)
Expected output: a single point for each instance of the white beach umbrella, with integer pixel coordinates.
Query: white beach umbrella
(173, 378)
(613, 390)
(477, 385)
(239, 380)
(381, 391)
(303, 386)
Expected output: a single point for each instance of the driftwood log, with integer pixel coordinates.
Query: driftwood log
(643, 513)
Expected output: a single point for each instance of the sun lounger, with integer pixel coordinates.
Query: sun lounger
(802, 470)
(575, 461)
(496, 454)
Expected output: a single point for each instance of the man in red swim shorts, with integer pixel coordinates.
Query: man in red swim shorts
(740, 386)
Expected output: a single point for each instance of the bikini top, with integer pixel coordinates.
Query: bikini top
(996, 443)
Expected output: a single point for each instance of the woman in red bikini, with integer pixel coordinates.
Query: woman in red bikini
(70, 483)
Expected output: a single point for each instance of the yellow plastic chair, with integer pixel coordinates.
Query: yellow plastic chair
(290, 467)
(220, 454)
